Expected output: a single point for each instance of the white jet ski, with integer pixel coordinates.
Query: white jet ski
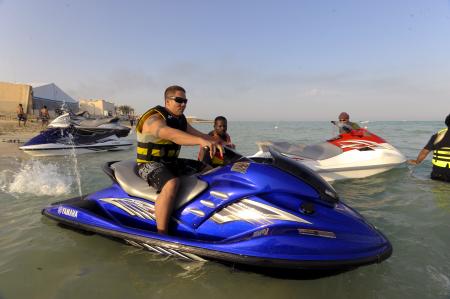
(351, 155)
(76, 134)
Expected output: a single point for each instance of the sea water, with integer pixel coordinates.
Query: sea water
(39, 259)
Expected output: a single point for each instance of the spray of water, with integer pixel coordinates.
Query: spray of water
(37, 178)
(73, 155)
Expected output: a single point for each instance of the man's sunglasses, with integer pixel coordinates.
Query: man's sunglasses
(179, 100)
(343, 120)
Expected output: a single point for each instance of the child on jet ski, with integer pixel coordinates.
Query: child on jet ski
(219, 134)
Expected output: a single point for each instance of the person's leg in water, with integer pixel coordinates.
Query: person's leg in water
(164, 205)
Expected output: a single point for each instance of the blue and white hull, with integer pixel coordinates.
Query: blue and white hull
(59, 149)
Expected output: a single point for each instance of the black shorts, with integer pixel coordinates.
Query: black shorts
(157, 174)
(440, 177)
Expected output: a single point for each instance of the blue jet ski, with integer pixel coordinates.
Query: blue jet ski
(265, 213)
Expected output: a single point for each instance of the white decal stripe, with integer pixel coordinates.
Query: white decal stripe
(133, 207)
(137, 210)
(119, 205)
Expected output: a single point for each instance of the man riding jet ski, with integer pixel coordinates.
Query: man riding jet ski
(77, 133)
(352, 154)
(267, 213)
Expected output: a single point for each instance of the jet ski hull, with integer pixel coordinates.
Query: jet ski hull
(266, 251)
(75, 140)
(356, 164)
(60, 149)
(266, 214)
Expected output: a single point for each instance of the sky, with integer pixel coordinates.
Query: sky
(304, 60)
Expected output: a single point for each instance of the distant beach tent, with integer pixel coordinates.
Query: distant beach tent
(50, 95)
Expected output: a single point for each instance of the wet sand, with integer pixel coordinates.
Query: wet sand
(12, 136)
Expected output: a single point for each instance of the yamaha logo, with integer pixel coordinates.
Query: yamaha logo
(68, 212)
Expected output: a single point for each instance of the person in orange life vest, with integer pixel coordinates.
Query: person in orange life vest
(219, 134)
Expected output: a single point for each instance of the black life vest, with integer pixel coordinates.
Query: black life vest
(441, 156)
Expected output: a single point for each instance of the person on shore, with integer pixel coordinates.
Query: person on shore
(131, 119)
(160, 133)
(44, 116)
(439, 143)
(21, 116)
(219, 134)
(344, 124)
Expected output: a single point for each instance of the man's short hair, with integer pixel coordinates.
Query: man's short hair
(222, 118)
(172, 89)
(447, 121)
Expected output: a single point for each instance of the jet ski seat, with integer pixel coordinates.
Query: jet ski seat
(93, 123)
(127, 177)
(320, 151)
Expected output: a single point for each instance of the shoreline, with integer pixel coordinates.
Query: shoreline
(12, 136)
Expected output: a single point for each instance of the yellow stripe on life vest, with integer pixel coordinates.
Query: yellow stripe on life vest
(443, 164)
(156, 153)
(141, 151)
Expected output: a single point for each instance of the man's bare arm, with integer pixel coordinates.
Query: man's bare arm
(422, 155)
(157, 127)
(193, 131)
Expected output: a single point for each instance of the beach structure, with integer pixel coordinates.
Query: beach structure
(11, 95)
(98, 107)
(33, 96)
(50, 95)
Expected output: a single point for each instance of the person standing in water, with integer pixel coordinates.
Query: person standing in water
(439, 143)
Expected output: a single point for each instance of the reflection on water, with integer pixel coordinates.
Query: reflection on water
(409, 208)
(441, 195)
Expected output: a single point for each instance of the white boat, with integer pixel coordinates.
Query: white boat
(352, 155)
(75, 134)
